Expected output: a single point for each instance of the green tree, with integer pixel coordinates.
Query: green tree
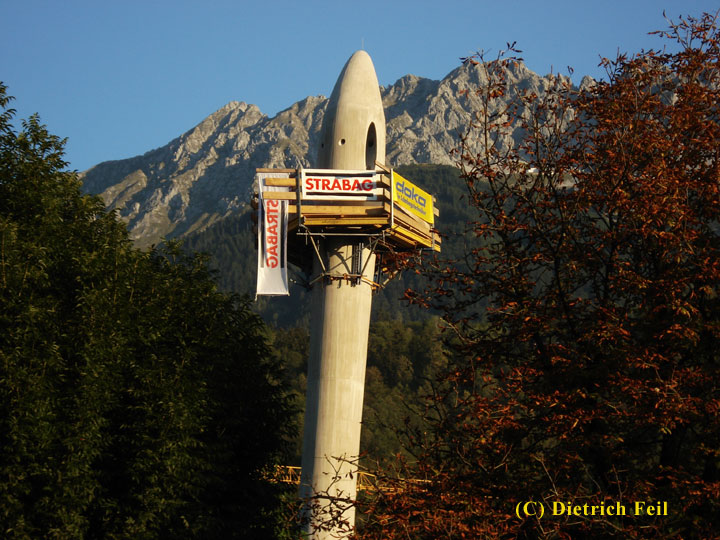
(403, 360)
(136, 401)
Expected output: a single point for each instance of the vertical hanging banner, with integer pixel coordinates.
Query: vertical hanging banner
(272, 275)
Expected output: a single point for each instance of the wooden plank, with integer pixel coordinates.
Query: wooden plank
(382, 166)
(385, 182)
(383, 195)
(336, 209)
(415, 232)
(288, 171)
(292, 195)
(359, 220)
(347, 211)
(411, 220)
(279, 195)
(411, 238)
(407, 235)
(280, 182)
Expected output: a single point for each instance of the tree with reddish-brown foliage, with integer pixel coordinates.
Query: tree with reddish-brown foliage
(584, 319)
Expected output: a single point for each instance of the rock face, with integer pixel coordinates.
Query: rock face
(207, 173)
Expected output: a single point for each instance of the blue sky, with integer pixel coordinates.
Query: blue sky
(121, 78)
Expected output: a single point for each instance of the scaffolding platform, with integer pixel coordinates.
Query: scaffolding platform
(369, 206)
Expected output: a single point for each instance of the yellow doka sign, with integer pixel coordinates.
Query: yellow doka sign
(413, 199)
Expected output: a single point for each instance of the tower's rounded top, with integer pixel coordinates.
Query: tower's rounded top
(354, 124)
(361, 56)
(359, 72)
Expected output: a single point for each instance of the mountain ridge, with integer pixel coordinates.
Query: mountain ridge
(207, 173)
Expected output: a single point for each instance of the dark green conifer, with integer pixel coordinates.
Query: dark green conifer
(136, 401)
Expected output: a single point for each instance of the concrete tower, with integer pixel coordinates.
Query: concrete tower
(353, 138)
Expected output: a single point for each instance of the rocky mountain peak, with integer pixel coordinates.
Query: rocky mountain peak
(207, 173)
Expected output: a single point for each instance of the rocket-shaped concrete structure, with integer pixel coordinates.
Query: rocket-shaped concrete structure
(353, 138)
(338, 217)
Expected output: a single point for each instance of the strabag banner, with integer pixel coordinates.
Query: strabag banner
(339, 185)
(411, 198)
(272, 274)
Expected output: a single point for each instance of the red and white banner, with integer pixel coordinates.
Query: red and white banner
(337, 185)
(272, 274)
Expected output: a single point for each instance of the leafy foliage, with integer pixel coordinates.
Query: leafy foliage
(585, 315)
(136, 401)
(403, 360)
